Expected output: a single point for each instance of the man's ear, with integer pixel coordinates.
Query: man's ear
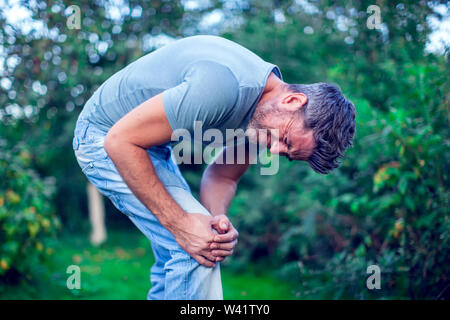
(293, 101)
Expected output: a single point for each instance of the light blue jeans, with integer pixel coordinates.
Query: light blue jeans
(175, 275)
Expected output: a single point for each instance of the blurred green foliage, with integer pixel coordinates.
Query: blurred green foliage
(387, 204)
(27, 217)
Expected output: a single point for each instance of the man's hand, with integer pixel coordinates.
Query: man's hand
(224, 243)
(194, 234)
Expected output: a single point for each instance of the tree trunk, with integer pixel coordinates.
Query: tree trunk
(96, 215)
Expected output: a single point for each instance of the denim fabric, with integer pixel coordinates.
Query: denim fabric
(175, 274)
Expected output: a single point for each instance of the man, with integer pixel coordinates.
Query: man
(122, 135)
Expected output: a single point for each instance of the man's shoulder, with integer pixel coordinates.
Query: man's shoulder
(212, 77)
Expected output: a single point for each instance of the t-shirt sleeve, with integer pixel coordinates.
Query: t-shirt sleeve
(208, 93)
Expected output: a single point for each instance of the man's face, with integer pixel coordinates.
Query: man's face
(282, 131)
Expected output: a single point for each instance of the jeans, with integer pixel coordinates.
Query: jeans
(175, 275)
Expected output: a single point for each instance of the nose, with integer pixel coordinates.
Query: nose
(277, 148)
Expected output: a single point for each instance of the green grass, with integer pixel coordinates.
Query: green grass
(120, 268)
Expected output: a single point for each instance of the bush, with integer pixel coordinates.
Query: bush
(27, 219)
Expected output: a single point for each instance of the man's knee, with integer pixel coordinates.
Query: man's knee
(187, 279)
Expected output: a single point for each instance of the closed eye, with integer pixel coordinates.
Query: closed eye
(287, 144)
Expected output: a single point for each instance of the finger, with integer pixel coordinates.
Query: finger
(208, 255)
(221, 223)
(220, 259)
(222, 253)
(224, 246)
(203, 261)
(227, 237)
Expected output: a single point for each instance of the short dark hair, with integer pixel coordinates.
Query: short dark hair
(332, 118)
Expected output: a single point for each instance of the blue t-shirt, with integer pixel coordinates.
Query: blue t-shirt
(203, 78)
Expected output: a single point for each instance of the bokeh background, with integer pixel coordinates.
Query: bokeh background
(302, 235)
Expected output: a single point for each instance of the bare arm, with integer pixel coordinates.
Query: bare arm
(217, 189)
(218, 185)
(219, 182)
(126, 144)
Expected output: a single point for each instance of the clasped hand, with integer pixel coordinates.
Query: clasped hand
(207, 239)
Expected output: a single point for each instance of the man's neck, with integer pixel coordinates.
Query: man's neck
(274, 86)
